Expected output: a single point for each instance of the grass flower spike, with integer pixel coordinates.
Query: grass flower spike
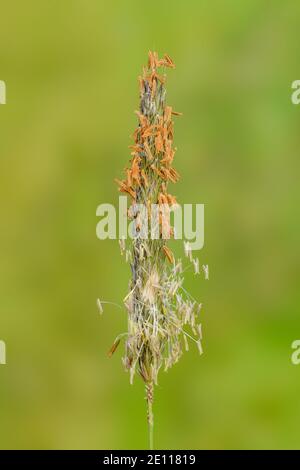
(159, 308)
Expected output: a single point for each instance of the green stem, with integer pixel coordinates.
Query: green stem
(149, 398)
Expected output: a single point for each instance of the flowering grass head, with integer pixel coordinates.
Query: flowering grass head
(159, 308)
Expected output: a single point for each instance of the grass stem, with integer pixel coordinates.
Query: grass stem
(150, 416)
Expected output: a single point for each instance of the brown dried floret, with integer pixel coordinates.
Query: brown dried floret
(168, 254)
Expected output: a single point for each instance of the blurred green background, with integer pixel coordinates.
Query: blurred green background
(71, 69)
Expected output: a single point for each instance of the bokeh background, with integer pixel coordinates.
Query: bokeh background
(70, 68)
